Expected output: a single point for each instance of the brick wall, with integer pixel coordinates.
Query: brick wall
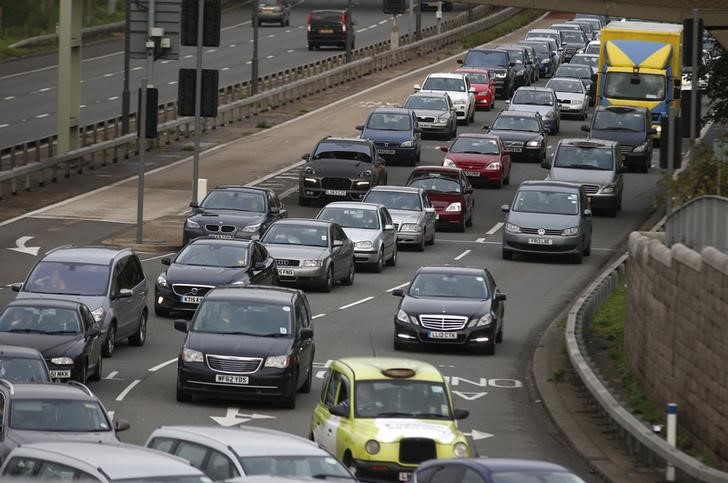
(676, 333)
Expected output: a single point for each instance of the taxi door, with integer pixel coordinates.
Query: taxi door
(325, 425)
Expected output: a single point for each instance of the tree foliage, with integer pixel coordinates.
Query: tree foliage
(717, 89)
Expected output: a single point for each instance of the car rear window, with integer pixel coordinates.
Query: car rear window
(327, 17)
(624, 121)
(485, 58)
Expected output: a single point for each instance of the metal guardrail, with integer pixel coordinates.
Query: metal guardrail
(699, 223)
(111, 148)
(633, 434)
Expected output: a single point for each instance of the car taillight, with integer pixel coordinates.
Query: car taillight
(343, 23)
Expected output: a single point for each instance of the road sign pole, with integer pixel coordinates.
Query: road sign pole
(254, 64)
(694, 84)
(410, 39)
(438, 17)
(125, 94)
(198, 100)
(349, 32)
(142, 146)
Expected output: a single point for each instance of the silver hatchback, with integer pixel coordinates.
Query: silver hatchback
(412, 212)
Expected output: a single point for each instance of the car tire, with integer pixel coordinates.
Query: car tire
(507, 255)
(289, 402)
(310, 47)
(577, 258)
(140, 336)
(499, 336)
(110, 342)
(392, 262)
(587, 249)
(499, 183)
(469, 221)
(306, 388)
(328, 284)
(431, 241)
(645, 167)
(349, 280)
(423, 242)
(507, 179)
(378, 266)
(398, 346)
(84, 373)
(466, 122)
(472, 116)
(414, 160)
(96, 376)
(460, 227)
(160, 311)
(181, 396)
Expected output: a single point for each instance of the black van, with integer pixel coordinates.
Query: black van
(328, 28)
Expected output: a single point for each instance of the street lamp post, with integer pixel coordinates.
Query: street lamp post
(254, 64)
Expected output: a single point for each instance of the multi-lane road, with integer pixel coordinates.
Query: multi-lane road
(29, 88)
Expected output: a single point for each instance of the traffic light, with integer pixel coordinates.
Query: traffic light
(186, 94)
(688, 42)
(394, 7)
(210, 23)
(150, 126)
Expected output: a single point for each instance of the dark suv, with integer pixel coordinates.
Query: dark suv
(524, 67)
(395, 133)
(328, 28)
(342, 169)
(499, 64)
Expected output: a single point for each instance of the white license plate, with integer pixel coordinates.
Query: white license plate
(472, 173)
(335, 192)
(540, 241)
(285, 272)
(60, 374)
(424, 125)
(404, 476)
(191, 299)
(326, 31)
(386, 151)
(515, 150)
(228, 379)
(223, 237)
(443, 335)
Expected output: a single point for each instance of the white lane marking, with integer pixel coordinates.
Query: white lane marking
(127, 390)
(113, 98)
(4, 125)
(82, 106)
(479, 240)
(224, 68)
(495, 229)
(361, 30)
(367, 299)
(165, 61)
(290, 51)
(163, 364)
(288, 192)
(41, 116)
(188, 56)
(139, 68)
(112, 375)
(398, 286)
(172, 83)
(249, 62)
(45, 89)
(382, 22)
(318, 316)
(269, 57)
(251, 41)
(109, 74)
(8, 98)
(372, 26)
(210, 51)
(462, 255)
(288, 31)
(271, 36)
(232, 46)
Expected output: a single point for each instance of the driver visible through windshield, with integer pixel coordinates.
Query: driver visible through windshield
(584, 158)
(250, 318)
(401, 399)
(213, 255)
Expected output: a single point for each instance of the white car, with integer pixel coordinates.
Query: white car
(458, 87)
(572, 95)
(592, 47)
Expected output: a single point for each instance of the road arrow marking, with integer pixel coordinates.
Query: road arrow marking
(230, 419)
(20, 246)
(470, 396)
(476, 435)
(256, 416)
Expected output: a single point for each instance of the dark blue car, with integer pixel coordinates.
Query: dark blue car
(395, 134)
(492, 470)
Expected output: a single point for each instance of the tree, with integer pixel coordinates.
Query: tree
(717, 89)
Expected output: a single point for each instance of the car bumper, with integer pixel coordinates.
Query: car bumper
(527, 154)
(484, 101)
(65, 372)
(366, 256)
(301, 275)
(432, 128)
(326, 39)
(167, 300)
(636, 159)
(500, 86)
(446, 218)
(558, 244)
(469, 336)
(381, 471)
(599, 201)
(265, 384)
(409, 237)
(392, 154)
(571, 108)
(192, 233)
(314, 191)
(271, 16)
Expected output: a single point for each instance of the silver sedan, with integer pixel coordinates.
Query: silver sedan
(311, 252)
(412, 212)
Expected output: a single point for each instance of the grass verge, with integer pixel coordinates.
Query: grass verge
(513, 23)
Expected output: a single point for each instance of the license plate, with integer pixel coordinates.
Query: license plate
(386, 151)
(335, 192)
(326, 31)
(540, 241)
(424, 125)
(443, 335)
(223, 237)
(285, 272)
(229, 379)
(60, 374)
(403, 476)
(515, 150)
(191, 299)
(472, 173)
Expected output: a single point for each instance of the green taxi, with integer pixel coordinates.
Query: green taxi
(382, 417)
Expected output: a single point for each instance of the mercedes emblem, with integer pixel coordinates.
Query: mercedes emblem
(194, 291)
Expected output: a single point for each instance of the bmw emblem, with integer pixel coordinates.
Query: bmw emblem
(541, 231)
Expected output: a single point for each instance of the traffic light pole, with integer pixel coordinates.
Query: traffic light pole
(142, 147)
(418, 21)
(198, 100)
(349, 32)
(125, 95)
(254, 63)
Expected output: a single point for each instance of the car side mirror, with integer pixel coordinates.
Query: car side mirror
(505, 208)
(585, 128)
(429, 209)
(306, 333)
(121, 424)
(338, 243)
(459, 61)
(194, 204)
(359, 127)
(388, 227)
(166, 261)
(16, 286)
(459, 414)
(259, 266)
(93, 332)
(275, 210)
(444, 149)
(339, 410)
(125, 293)
(651, 131)
(587, 212)
(180, 325)
(472, 90)
(545, 164)
(500, 297)
(306, 157)
(417, 87)
(398, 292)
(485, 127)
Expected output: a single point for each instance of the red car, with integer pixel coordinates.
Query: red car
(482, 157)
(484, 86)
(450, 193)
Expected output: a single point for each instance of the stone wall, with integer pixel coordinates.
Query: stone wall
(676, 333)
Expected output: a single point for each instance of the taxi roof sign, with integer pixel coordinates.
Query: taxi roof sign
(399, 373)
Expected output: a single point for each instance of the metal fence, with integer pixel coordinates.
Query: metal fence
(635, 436)
(699, 223)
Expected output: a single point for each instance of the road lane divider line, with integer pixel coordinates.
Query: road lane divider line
(111, 375)
(495, 229)
(479, 240)
(163, 364)
(367, 299)
(127, 389)
(462, 255)
(318, 316)
(157, 256)
(288, 192)
(398, 286)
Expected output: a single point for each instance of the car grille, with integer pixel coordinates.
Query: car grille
(534, 231)
(386, 145)
(336, 183)
(233, 364)
(590, 189)
(570, 50)
(220, 228)
(625, 148)
(426, 119)
(287, 262)
(193, 290)
(443, 322)
(513, 144)
(414, 451)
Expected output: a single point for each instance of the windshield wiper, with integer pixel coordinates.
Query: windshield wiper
(582, 166)
(387, 129)
(272, 334)
(326, 476)
(471, 152)
(394, 414)
(27, 331)
(59, 332)
(619, 128)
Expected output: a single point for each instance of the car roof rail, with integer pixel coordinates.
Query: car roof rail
(81, 386)
(8, 384)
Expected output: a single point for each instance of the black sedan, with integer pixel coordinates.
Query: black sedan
(456, 306)
(206, 263)
(63, 331)
(233, 211)
(253, 343)
(523, 134)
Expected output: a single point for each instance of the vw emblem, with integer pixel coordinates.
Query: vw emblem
(193, 291)
(541, 231)
(386, 145)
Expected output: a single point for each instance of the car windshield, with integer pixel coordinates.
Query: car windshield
(479, 57)
(477, 78)
(357, 151)
(516, 55)
(577, 71)
(437, 182)
(245, 317)
(623, 121)
(514, 123)
(63, 415)
(572, 37)
(624, 85)
(592, 48)
(550, 202)
(589, 60)
(571, 156)
(323, 467)
(444, 84)
(22, 369)
(541, 49)
(389, 122)
(39, 320)
(550, 35)
(474, 146)
(534, 476)
(533, 97)
(426, 103)
(285, 234)
(65, 278)
(395, 200)
(234, 200)
(213, 255)
(571, 86)
(268, 3)
(449, 285)
(401, 398)
(351, 217)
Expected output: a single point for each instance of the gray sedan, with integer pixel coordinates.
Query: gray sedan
(371, 229)
(435, 113)
(311, 252)
(541, 100)
(413, 215)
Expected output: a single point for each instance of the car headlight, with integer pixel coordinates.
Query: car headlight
(189, 355)
(364, 244)
(192, 224)
(309, 170)
(658, 128)
(448, 162)
(513, 228)
(251, 228)
(533, 144)
(279, 362)
(62, 361)
(98, 314)
(640, 149)
(494, 166)
(487, 319)
(367, 173)
(460, 450)
(406, 144)
(608, 189)
(372, 446)
(499, 75)
(454, 207)
(161, 280)
(444, 117)
(402, 316)
(577, 103)
(312, 263)
(459, 103)
(411, 227)
(310, 180)
(574, 230)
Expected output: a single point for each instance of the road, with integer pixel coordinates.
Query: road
(28, 98)
(506, 415)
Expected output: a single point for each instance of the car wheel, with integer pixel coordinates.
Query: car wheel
(507, 255)
(310, 47)
(466, 122)
(328, 283)
(140, 336)
(398, 346)
(181, 396)
(645, 165)
(507, 179)
(469, 221)
(378, 266)
(306, 388)
(392, 262)
(472, 116)
(349, 462)
(577, 258)
(454, 130)
(460, 227)
(587, 249)
(349, 280)
(431, 241)
(160, 311)
(289, 402)
(110, 341)
(423, 242)
(499, 183)
(414, 159)
(499, 336)
(84, 373)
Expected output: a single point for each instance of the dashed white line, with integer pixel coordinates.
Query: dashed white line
(288, 31)
(290, 51)
(251, 41)
(462, 255)
(271, 36)
(163, 364)
(479, 240)
(398, 286)
(318, 316)
(188, 56)
(172, 83)
(112, 375)
(367, 299)
(41, 116)
(225, 68)
(4, 125)
(165, 61)
(269, 57)
(139, 68)
(211, 51)
(113, 98)
(382, 22)
(109, 74)
(249, 62)
(495, 229)
(361, 30)
(232, 46)
(82, 106)
(8, 98)
(45, 89)
(372, 26)
(127, 390)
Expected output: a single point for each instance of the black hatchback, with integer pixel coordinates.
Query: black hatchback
(248, 343)
(328, 28)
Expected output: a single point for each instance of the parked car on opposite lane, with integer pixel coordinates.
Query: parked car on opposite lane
(435, 113)
(523, 134)
(450, 193)
(538, 99)
(395, 133)
(458, 87)
(572, 96)
(23, 364)
(482, 157)
(412, 212)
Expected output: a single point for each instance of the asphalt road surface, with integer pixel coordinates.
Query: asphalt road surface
(28, 97)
